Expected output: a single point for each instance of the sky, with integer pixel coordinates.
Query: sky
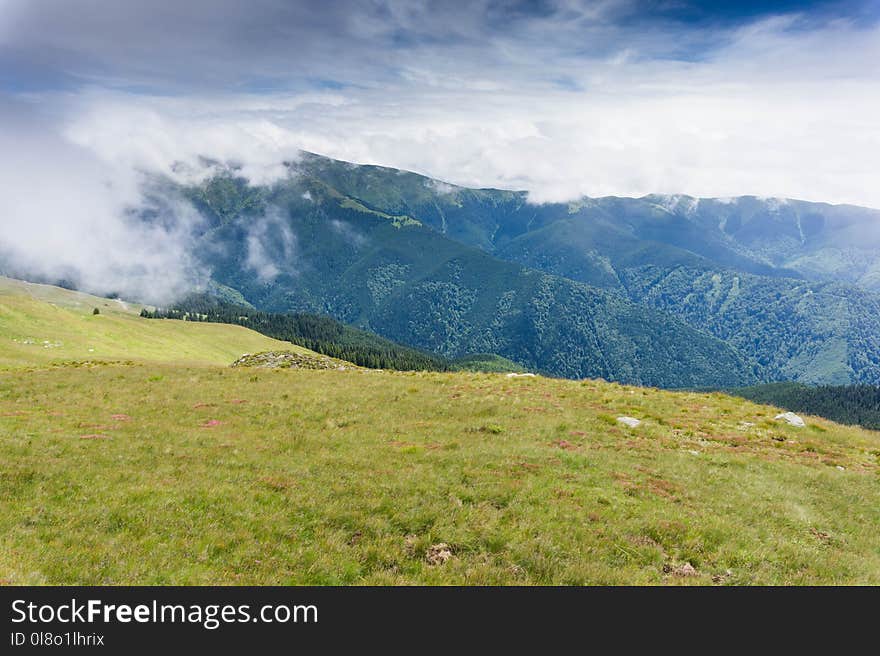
(561, 98)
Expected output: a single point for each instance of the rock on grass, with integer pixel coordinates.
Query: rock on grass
(438, 554)
(791, 418)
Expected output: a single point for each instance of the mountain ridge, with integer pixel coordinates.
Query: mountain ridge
(605, 241)
(414, 285)
(666, 290)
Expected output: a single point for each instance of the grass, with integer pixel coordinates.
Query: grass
(42, 324)
(195, 475)
(156, 472)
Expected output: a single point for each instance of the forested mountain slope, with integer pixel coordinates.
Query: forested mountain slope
(302, 246)
(662, 290)
(788, 284)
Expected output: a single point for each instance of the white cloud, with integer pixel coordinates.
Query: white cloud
(66, 215)
(348, 232)
(171, 135)
(271, 247)
(561, 105)
(773, 112)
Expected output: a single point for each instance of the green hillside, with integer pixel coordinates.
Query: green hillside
(42, 324)
(795, 330)
(804, 274)
(395, 277)
(672, 291)
(153, 472)
(659, 290)
(317, 333)
(761, 236)
(165, 474)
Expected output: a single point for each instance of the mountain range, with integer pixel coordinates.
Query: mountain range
(668, 291)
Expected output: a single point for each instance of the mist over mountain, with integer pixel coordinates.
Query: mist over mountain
(673, 291)
(670, 291)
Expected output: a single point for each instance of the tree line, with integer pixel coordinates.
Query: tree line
(845, 404)
(315, 332)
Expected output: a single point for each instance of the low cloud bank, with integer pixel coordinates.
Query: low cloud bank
(779, 106)
(70, 216)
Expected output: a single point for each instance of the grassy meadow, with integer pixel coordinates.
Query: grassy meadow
(155, 472)
(42, 324)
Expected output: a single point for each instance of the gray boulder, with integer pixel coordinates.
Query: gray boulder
(791, 418)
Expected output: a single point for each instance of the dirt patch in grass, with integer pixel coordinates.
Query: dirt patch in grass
(663, 488)
(277, 483)
(97, 427)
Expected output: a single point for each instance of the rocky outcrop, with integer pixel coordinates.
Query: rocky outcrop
(291, 360)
